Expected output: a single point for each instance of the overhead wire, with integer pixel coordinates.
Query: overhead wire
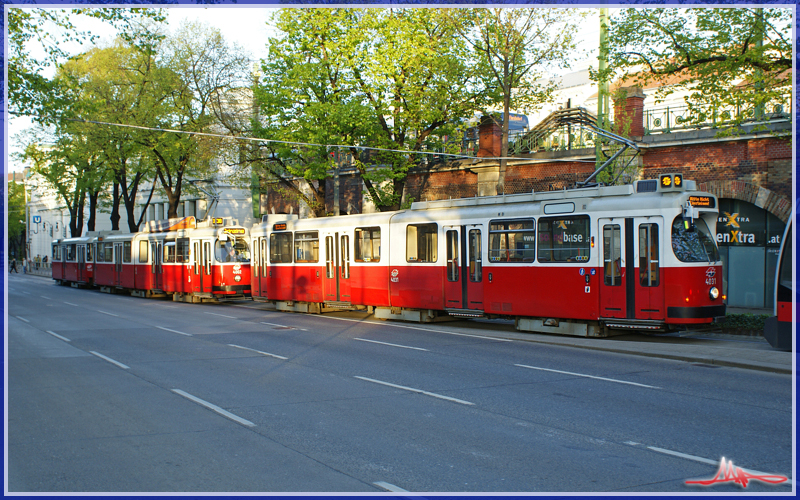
(276, 141)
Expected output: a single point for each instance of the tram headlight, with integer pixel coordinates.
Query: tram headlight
(713, 293)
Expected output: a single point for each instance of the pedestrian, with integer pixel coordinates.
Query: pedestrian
(13, 265)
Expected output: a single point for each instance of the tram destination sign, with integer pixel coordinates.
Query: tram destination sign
(703, 201)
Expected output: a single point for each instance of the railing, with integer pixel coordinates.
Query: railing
(668, 119)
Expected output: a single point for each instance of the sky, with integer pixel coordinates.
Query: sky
(247, 27)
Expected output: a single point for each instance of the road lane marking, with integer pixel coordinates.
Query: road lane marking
(27, 293)
(432, 394)
(45, 297)
(260, 352)
(702, 460)
(224, 316)
(283, 326)
(124, 367)
(110, 314)
(389, 487)
(393, 345)
(71, 304)
(215, 408)
(589, 376)
(174, 331)
(22, 319)
(54, 334)
(417, 328)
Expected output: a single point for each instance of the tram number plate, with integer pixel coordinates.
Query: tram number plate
(711, 281)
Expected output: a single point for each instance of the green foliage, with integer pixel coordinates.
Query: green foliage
(730, 59)
(390, 79)
(745, 321)
(15, 221)
(51, 29)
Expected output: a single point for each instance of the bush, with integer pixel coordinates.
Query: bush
(745, 321)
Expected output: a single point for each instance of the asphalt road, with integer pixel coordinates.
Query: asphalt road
(111, 393)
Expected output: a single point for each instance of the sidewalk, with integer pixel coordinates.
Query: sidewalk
(749, 352)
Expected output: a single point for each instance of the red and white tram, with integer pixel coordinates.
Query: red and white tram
(577, 262)
(72, 260)
(186, 259)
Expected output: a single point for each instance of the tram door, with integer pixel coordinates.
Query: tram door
(156, 269)
(261, 264)
(81, 263)
(631, 284)
(463, 286)
(201, 279)
(649, 280)
(118, 264)
(255, 266)
(336, 284)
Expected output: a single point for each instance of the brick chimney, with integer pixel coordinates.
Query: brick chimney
(490, 137)
(629, 111)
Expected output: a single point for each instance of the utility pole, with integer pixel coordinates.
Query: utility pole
(602, 86)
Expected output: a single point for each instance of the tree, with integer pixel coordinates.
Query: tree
(51, 29)
(16, 219)
(118, 85)
(68, 168)
(389, 80)
(514, 48)
(306, 98)
(729, 59)
(196, 70)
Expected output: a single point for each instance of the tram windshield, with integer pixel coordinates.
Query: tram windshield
(693, 244)
(234, 249)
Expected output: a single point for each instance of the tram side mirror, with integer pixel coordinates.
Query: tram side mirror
(223, 237)
(688, 217)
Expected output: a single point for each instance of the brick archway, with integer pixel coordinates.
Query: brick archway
(761, 197)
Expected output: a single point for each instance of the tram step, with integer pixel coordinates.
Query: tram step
(465, 313)
(339, 304)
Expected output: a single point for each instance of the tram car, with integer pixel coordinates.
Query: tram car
(577, 262)
(189, 260)
(72, 259)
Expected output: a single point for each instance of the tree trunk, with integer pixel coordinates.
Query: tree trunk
(115, 207)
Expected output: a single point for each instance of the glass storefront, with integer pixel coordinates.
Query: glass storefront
(749, 240)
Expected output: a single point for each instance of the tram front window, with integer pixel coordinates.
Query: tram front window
(233, 250)
(693, 244)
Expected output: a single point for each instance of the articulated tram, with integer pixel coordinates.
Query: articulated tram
(189, 260)
(576, 262)
(581, 261)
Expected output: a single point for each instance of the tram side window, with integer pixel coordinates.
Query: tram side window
(612, 255)
(693, 244)
(89, 252)
(108, 252)
(785, 277)
(143, 246)
(307, 246)
(56, 253)
(564, 239)
(648, 254)
(99, 257)
(368, 244)
(169, 251)
(182, 250)
(421, 242)
(280, 248)
(475, 258)
(512, 240)
(70, 253)
(126, 252)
